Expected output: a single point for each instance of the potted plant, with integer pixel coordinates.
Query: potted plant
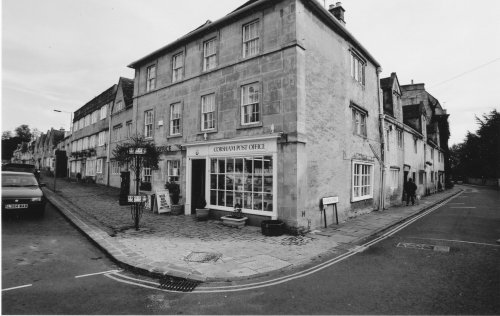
(201, 211)
(174, 192)
(236, 219)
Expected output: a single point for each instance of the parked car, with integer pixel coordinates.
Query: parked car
(22, 167)
(21, 193)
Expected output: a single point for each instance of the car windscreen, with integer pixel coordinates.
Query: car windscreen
(18, 180)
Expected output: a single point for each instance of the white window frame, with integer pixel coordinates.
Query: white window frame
(359, 122)
(104, 111)
(87, 120)
(175, 119)
(115, 168)
(85, 143)
(119, 106)
(147, 174)
(177, 67)
(173, 170)
(248, 105)
(92, 139)
(357, 68)
(148, 123)
(129, 129)
(394, 178)
(210, 54)
(150, 78)
(102, 138)
(251, 39)
(95, 117)
(358, 180)
(116, 133)
(99, 163)
(208, 112)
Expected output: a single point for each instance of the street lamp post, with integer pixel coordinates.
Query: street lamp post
(55, 155)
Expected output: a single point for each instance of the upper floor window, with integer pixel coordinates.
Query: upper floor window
(87, 120)
(119, 106)
(209, 55)
(148, 124)
(251, 39)
(357, 68)
(93, 118)
(359, 122)
(116, 133)
(129, 129)
(250, 109)
(415, 145)
(104, 111)
(208, 112)
(85, 143)
(147, 175)
(151, 78)
(177, 67)
(175, 119)
(92, 141)
(81, 123)
(102, 138)
(75, 126)
(400, 139)
(99, 163)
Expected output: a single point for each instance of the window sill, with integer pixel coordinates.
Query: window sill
(361, 199)
(211, 131)
(253, 125)
(174, 136)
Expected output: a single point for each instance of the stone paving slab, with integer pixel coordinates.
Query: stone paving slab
(164, 242)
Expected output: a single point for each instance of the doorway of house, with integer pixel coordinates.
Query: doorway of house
(197, 182)
(404, 184)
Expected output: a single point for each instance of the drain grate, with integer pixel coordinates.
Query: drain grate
(423, 247)
(203, 257)
(178, 284)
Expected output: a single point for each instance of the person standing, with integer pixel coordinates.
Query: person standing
(410, 189)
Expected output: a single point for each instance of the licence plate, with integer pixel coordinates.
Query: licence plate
(11, 206)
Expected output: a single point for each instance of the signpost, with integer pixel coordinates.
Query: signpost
(138, 200)
(331, 200)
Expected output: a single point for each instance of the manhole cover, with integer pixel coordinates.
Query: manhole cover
(423, 247)
(203, 256)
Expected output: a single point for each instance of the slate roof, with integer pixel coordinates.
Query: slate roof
(96, 103)
(249, 7)
(413, 110)
(128, 90)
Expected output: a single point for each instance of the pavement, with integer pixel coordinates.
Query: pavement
(180, 246)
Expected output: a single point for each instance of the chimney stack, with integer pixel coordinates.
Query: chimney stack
(337, 11)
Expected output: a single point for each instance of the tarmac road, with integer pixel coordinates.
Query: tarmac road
(443, 263)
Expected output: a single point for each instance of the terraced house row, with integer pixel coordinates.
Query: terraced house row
(273, 107)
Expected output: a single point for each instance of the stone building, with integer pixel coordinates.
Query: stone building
(424, 113)
(121, 123)
(44, 148)
(89, 142)
(273, 107)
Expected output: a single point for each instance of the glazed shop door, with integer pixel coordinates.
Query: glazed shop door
(197, 182)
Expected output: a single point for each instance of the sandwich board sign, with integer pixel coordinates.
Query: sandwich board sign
(163, 202)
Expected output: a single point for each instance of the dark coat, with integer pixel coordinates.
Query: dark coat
(410, 188)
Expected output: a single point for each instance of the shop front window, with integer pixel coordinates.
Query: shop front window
(247, 181)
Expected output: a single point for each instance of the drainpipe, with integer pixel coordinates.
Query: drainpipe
(382, 144)
(109, 143)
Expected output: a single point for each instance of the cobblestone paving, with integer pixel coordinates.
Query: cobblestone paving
(166, 240)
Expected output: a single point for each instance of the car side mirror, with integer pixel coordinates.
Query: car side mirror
(43, 185)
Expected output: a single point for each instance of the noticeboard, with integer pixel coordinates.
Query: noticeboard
(330, 200)
(163, 201)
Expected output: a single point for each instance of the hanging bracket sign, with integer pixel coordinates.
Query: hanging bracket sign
(137, 151)
(137, 198)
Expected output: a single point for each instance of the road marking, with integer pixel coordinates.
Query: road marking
(456, 203)
(461, 241)
(462, 207)
(293, 276)
(97, 273)
(17, 287)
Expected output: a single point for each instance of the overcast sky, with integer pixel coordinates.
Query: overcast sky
(59, 54)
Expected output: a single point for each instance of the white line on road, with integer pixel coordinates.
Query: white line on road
(91, 274)
(462, 241)
(17, 287)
